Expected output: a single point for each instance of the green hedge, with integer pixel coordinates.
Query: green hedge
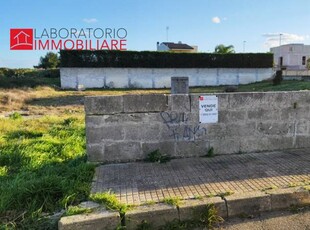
(147, 59)
(24, 73)
(15, 78)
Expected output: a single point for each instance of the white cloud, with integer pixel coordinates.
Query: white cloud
(273, 39)
(216, 20)
(90, 20)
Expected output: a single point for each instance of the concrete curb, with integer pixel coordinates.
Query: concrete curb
(159, 214)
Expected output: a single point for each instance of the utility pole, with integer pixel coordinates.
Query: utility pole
(280, 39)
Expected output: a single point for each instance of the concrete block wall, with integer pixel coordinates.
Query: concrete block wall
(127, 128)
(158, 78)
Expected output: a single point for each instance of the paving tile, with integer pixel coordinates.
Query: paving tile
(138, 183)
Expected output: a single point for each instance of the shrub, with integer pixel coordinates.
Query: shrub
(157, 156)
(278, 78)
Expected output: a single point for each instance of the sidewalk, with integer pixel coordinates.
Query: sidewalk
(142, 182)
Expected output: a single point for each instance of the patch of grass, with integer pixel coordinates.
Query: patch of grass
(3, 171)
(75, 210)
(151, 202)
(110, 201)
(23, 134)
(43, 169)
(198, 197)
(211, 195)
(45, 98)
(226, 193)
(307, 187)
(157, 156)
(296, 184)
(209, 216)
(173, 201)
(15, 116)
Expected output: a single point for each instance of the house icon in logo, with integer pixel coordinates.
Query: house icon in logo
(21, 39)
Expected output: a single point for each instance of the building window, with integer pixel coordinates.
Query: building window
(304, 60)
(291, 49)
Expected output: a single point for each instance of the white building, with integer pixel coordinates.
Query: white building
(291, 56)
(176, 47)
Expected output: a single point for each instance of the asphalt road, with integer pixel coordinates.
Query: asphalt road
(294, 219)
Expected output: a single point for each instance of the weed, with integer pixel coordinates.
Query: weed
(209, 216)
(15, 116)
(198, 197)
(75, 210)
(120, 227)
(110, 201)
(295, 184)
(226, 193)
(24, 134)
(3, 171)
(173, 201)
(69, 121)
(144, 225)
(210, 152)
(272, 187)
(151, 202)
(296, 208)
(157, 156)
(240, 152)
(307, 187)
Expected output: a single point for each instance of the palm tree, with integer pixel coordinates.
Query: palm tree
(221, 49)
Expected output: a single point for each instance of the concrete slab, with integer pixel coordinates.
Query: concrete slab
(104, 220)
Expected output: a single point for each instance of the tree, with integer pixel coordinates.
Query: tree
(308, 64)
(221, 49)
(49, 61)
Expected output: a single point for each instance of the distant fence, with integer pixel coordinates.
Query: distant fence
(131, 69)
(296, 75)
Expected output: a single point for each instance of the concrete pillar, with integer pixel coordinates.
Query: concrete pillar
(179, 85)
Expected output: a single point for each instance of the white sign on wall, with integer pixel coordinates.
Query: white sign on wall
(208, 109)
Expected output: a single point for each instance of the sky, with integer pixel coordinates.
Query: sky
(248, 25)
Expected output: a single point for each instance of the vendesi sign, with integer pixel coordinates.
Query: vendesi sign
(208, 109)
